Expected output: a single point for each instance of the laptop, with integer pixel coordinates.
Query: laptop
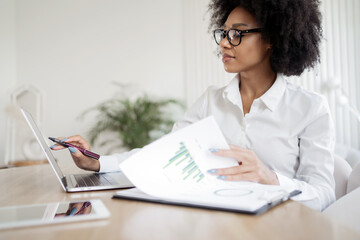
(77, 182)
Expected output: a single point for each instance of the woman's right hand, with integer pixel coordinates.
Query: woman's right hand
(82, 161)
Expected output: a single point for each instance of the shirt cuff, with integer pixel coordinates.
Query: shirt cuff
(109, 164)
(308, 192)
(284, 181)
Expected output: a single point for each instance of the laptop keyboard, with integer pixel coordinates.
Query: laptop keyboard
(86, 180)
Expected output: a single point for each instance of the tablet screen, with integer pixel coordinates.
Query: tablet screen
(72, 209)
(57, 212)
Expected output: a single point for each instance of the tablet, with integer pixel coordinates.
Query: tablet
(51, 213)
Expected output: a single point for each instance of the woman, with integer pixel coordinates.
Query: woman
(279, 133)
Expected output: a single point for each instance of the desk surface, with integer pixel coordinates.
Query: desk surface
(138, 220)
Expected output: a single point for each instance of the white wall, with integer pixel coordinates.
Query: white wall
(72, 50)
(7, 63)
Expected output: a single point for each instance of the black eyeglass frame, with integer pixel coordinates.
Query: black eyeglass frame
(240, 32)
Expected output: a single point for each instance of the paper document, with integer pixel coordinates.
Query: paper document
(176, 165)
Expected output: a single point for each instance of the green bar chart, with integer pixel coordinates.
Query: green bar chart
(183, 161)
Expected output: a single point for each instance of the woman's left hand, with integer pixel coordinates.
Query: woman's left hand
(250, 168)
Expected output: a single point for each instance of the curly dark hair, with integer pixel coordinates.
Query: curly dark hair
(292, 27)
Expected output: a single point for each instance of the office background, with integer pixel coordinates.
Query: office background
(69, 52)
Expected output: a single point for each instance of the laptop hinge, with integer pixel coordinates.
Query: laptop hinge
(64, 182)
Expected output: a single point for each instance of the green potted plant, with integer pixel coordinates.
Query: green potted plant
(135, 122)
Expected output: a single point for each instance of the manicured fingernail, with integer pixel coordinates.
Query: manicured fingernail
(53, 146)
(87, 204)
(73, 211)
(63, 140)
(72, 150)
(212, 171)
(213, 149)
(221, 177)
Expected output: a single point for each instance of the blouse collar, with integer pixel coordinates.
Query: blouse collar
(270, 98)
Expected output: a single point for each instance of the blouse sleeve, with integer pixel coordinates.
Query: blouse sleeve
(195, 113)
(314, 176)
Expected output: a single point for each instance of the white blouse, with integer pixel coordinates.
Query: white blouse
(290, 129)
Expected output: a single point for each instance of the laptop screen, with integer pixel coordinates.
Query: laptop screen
(43, 144)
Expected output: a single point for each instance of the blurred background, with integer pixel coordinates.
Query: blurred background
(59, 58)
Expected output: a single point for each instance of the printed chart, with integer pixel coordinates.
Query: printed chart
(183, 162)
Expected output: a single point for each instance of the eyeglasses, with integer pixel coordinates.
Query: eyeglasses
(233, 35)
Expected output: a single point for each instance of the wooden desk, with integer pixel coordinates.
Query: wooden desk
(137, 220)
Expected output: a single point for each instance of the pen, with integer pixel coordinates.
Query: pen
(83, 151)
(85, 205)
